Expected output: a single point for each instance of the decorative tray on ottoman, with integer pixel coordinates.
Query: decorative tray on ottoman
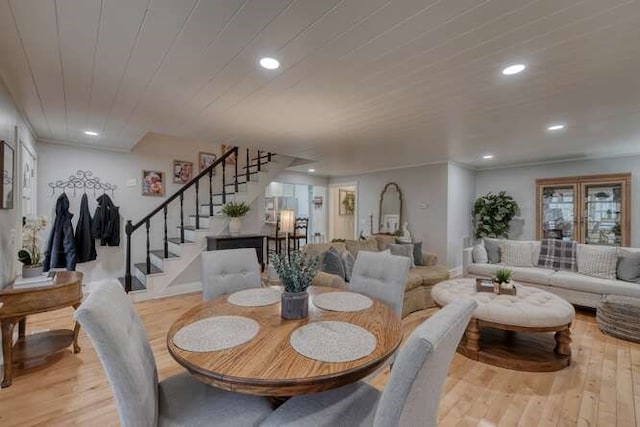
(483, 285)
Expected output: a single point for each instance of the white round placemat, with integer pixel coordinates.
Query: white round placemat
(255, 297)
(216, 333)
(342, 301)
(332, 341)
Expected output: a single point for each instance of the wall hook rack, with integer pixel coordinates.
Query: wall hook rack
(82, 180)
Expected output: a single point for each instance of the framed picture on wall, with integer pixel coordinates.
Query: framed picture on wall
(205, 160)
(7, 188)
(347, 202)
(182, 171)
(231, 160)
(152, 183)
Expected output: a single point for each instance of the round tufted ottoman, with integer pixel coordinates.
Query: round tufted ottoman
(513, 331)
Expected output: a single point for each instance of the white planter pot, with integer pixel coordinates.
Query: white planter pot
(235, 224)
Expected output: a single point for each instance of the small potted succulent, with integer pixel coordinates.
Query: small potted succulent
(30, 255)
(502, 279)
(235, 211)
(295, 272)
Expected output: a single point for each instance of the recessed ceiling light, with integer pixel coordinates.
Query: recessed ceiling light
(90, 133)
(558, 126)
(488, 156)
(513, 69)
(269, 63)
(312, 170)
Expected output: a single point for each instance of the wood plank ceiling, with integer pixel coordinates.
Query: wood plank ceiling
(364, 84)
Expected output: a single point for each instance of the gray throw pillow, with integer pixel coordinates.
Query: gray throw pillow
(405, 249)
(629, 267)
(417, 251)
(332, 263)
(347, 262)
(493, 250)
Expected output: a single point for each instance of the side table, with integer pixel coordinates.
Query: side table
(35, 349)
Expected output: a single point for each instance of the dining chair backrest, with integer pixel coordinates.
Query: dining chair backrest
(229, 270)
(381, 276)
(108, 317)
(412, 394)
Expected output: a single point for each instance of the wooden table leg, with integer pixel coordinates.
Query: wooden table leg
(76, 331)
(563, 342)
(7, 350)
(473, 336)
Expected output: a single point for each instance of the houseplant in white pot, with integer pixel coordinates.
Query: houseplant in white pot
(30, 255)
(235, 211)
(295, 272)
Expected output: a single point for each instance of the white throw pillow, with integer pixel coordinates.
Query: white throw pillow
(597, 261)
(517, 253)
(479, 255)
(535, 252)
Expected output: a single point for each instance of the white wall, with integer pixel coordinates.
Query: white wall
(423, 186)
(520, 183)
(154, 152)
(10, 219)
(460, 188)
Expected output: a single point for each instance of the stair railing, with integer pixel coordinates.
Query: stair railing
(130, 228)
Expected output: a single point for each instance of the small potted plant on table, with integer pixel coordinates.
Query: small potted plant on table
(30, 255)
(295, 272)
(235, 211)
(502, 283)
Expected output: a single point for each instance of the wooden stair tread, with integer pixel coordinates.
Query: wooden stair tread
(160, 254)
(176, 240)
(136, 284)
(142, 266)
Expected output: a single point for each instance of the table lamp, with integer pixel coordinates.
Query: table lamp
(287, 222)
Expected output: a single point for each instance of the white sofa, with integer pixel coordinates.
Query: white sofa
(578, 289)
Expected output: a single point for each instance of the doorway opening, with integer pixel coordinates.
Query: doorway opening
(343, 211)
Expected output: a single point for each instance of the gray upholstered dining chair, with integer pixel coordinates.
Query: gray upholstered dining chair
(410, 397)
(119, 338)
(381, 276)
(229, 270)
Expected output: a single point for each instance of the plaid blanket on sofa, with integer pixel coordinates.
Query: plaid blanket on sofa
(558, 254)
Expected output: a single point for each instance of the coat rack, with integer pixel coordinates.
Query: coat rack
(82, 180)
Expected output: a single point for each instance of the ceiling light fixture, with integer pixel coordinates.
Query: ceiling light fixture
(513, 69)
(269, 63)
(558, 126)
(488, 156)
(91, 133)
(312, 170)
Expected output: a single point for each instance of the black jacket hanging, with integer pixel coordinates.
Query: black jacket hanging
(85, 243)
(106, 222)
(60, 251)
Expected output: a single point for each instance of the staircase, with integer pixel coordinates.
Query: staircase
(156, 274)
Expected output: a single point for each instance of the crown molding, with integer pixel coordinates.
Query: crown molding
(557, 161)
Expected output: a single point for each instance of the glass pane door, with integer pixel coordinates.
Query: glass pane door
(558, 207)
(602, 214)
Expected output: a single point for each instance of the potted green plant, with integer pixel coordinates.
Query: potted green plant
(296, 273)
(492, 214)
(30, 255)
(502, 279)
(235, 211)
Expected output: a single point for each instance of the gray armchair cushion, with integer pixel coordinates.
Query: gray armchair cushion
(381, 276)
(352, 405)
(332, 263)
(185, 401)
(229, 271)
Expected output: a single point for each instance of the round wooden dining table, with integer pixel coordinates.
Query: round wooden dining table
(267, 365)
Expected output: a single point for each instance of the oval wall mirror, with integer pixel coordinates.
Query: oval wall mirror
(390, 215)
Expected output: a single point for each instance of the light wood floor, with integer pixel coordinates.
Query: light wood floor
(601, 388)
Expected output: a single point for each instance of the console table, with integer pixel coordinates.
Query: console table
(18, 303)
(238, 241)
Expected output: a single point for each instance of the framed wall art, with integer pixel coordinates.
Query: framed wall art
(205, 160)
(231, 160)
(8, 178)
(152, 183)
(182, 171)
